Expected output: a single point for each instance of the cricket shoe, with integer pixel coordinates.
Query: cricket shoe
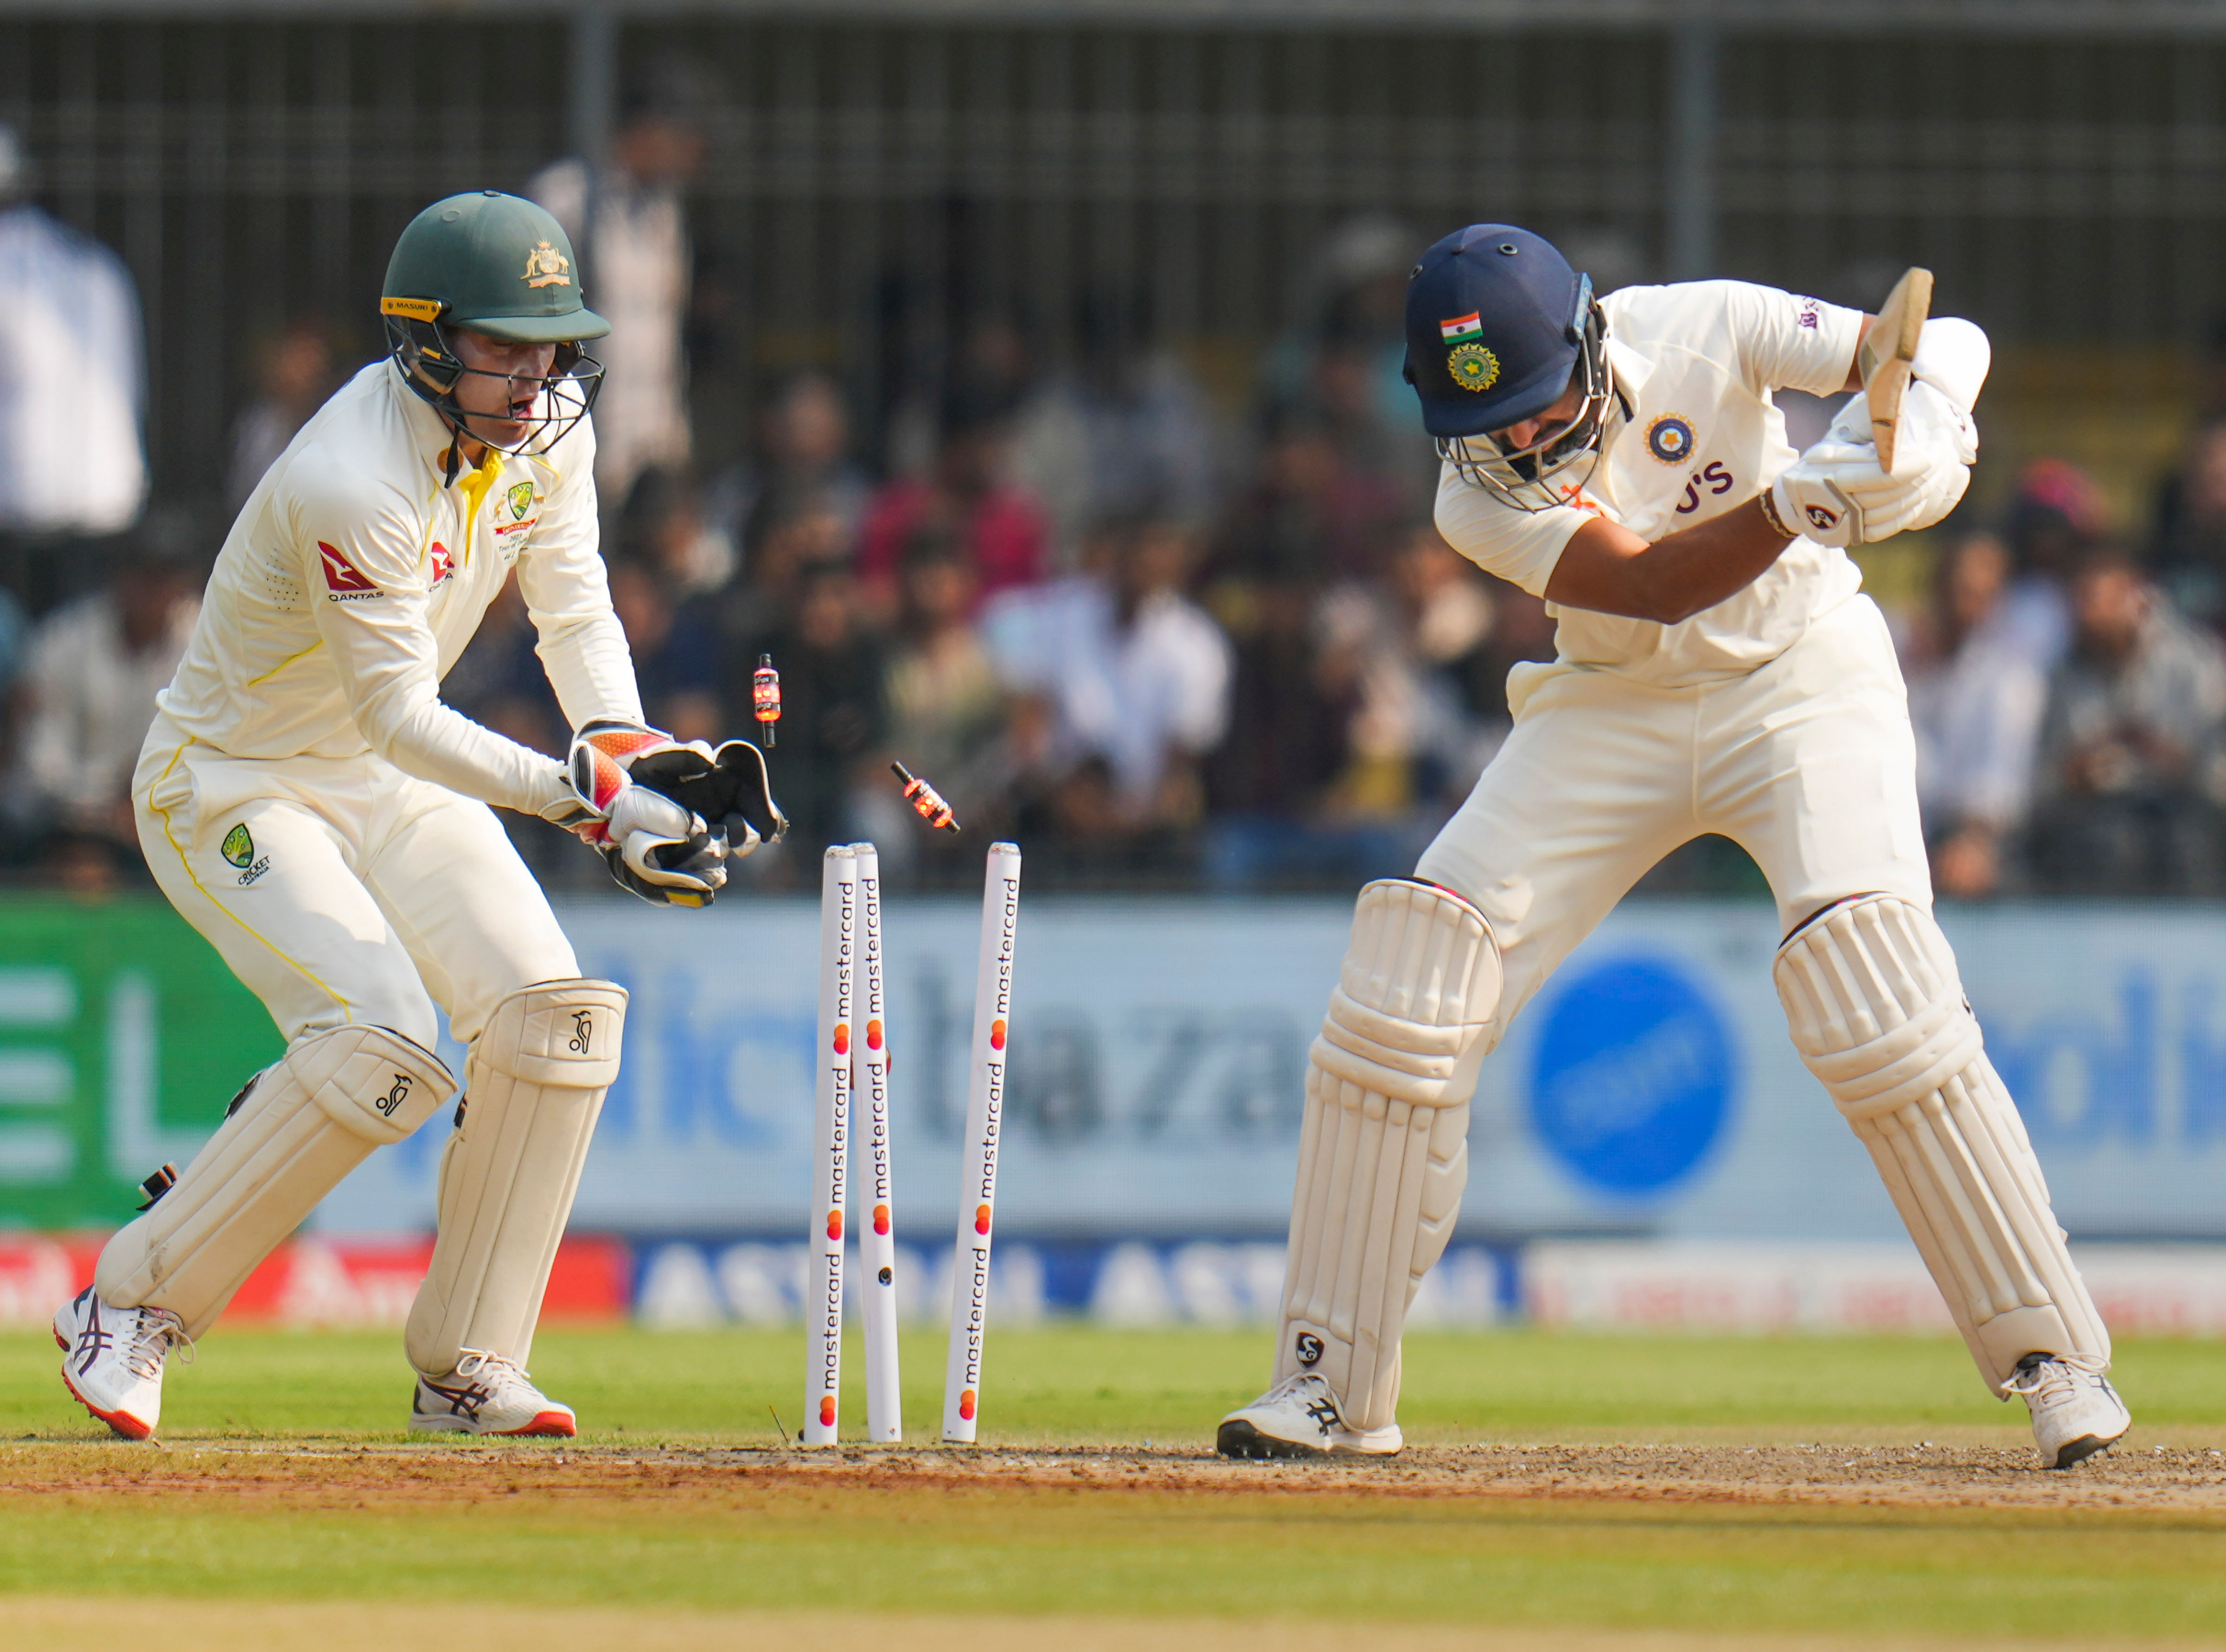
(1299, 1418)
(2076, 1412)
(488, 1395)
(113, 1359)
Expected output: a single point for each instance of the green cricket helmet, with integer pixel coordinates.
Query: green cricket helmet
(499, 265)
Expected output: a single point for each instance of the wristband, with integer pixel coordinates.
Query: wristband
(1770, 513)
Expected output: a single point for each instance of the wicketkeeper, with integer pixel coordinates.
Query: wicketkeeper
(314, 809)
(1719, 671)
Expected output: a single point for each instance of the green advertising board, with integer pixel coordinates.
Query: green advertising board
(122, 1037)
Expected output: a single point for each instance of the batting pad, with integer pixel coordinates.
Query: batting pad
(301, 1126)
(1384, 1148)
(1878, 1013)
(534, 1086)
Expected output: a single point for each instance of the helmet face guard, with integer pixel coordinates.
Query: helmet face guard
(1552, 469)
(433, 369)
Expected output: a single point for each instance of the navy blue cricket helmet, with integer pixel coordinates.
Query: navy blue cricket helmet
(1497, 325)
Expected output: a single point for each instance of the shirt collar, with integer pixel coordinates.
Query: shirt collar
(1632, 369)
(431, 436)
(428, 432)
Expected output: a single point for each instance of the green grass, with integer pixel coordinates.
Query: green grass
(518, 1532)
(1146, 1554)
(1078, 1385)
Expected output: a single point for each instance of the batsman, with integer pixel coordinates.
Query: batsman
(1719, 671)
(310, 805)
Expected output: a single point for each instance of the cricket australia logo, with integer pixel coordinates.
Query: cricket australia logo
(545, 267)
(239, 849)
(521, 501)
(390, 1103)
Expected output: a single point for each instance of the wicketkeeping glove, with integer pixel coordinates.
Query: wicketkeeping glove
(656, 846)
(1836, 495)
(729, 787)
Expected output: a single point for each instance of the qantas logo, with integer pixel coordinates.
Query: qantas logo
(444, 564)
(344, 581)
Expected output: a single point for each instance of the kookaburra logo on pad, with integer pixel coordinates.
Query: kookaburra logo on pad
(583, 1030)
(390, 1103)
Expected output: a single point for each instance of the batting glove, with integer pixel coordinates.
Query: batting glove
(1836, 495)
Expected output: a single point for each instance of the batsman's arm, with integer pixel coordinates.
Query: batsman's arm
(1610, 570)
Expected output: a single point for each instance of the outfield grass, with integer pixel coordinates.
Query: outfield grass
(517, 1530)
(1077, 1385)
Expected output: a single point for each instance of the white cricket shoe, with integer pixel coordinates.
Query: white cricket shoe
(2076, 1412)
(113, 1359)
(488, 1395)
(1299, 1418)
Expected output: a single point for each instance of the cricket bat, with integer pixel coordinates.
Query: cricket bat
(1886, 350)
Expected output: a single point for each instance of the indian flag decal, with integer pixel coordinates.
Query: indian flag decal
(1470, 325)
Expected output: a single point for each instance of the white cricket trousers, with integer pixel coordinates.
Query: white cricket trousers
(343, 891)
(1806, 763)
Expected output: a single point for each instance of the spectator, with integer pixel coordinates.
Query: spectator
(1001, 528)
(785, 543)
(2056, 513)
(663, 525)
(834, 709)
(1269, 779)
(945, 707)
(73, 393)
(1308, 512)
(1522, 631)
(1126, 431)
(804, 440)
(675, 654)
(1135, 677)
(295, 372)
(1976, 699)
(1359, 299)
(2131, 745)
(86, 696)
(2187, 551)
(626, 222)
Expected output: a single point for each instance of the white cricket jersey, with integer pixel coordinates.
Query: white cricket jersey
(352, 579)
(1695, 363)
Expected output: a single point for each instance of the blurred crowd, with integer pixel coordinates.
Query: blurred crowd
(1164, 636)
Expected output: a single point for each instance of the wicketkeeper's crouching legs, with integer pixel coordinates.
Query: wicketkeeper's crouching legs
(536, 1082)
(1878, 1013)
(300, 1126)
(1383, 1159)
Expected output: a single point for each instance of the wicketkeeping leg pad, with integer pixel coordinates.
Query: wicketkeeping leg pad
(535, 1086)
(1384, 1149)
(1878, 1013)
(302, 1126)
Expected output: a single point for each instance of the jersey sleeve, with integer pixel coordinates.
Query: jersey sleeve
(1788, 342)
(370, 579)
(1521, 547)
(560, 574)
